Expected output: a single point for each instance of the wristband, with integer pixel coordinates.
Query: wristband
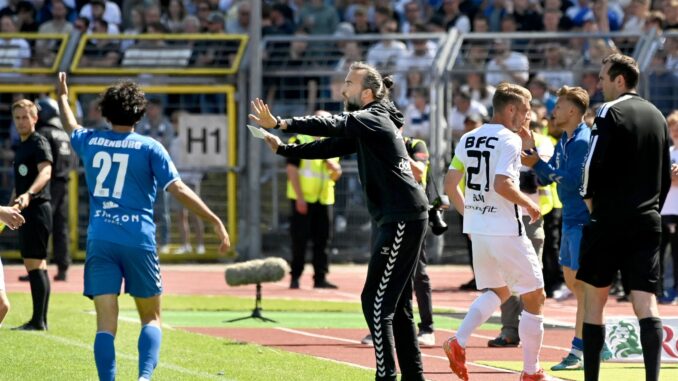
(278, 122)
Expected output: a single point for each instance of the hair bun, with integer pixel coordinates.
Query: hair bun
(388, 81)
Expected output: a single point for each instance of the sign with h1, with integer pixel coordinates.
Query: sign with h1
(202, 140)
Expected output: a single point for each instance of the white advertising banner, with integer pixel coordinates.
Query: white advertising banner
(622, 335)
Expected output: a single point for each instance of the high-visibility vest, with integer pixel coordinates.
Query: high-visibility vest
(413, 142)
(556, 200)
(545, 192)
(314, 178)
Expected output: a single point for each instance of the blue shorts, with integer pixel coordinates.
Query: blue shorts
(570, 244)
(107, 263)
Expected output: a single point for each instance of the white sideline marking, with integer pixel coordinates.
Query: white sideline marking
(170, 366)
(297, 332)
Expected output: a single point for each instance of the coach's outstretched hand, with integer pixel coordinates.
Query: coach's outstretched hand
(262, 115)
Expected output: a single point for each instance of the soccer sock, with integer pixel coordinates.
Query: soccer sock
(48, 290)
(651, 334)
(481, 309)
(104, 355)
(594, 338)
(149, 349)
(577, 347)
(531, 331)
(38, 292)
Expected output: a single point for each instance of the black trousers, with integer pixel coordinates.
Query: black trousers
(553, 275)
(59, 194)
(387, 299)
(669, 239)
(422, 289)
(315, 226)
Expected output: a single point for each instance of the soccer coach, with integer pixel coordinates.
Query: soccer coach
(627, 176)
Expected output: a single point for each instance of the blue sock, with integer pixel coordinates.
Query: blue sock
(104, 355)
(149, 349)
(577, 347)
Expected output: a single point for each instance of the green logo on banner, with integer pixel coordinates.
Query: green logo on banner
(623, 340)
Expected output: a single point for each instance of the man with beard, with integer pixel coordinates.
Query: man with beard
(395, 201)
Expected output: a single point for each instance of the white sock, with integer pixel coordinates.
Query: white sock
(531, 331)
(480, 311)
(143, 379)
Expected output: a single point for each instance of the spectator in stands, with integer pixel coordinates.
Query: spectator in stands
(540, 91)
(463, 107)
(385, 54)
(241, 24)
(81, 24)
(174, 15)
(318, 17)
(190, 24)
(45, 50)
(192, 178)
(16, 51)
(156, 125)
(417, 116)
(525, 15)
(203, 11)
(106, 10)
(58, 24)
(670, 9)
(26, 16)
(351, 52)
(94, 119)
(589, 81)
(282, 21)
(476, 55)
(382, 14)
(479, 90)
(419, 58)
(297, 94)
(663, 85)
(413, 15)
(495, 12)
(480, 24)
(636, 14)
(136, 26)
(152, 14)
(551, 20)
(507, 65)
(669, 215)
(556, 71)
(100, 52)
(453, 17)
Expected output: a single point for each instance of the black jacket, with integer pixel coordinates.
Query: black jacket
(60, 144)
(627, 173)
(383, 165)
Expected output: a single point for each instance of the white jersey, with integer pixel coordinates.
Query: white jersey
(482, 154)
(671, 204)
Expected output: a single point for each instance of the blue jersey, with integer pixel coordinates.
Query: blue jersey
(123, 173)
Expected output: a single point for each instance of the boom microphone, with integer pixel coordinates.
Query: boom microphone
(256, 271)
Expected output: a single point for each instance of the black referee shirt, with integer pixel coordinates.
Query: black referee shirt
(29, 154)
(627, 173)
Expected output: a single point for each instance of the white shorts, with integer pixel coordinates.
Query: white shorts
(2, 277)
(500, 261)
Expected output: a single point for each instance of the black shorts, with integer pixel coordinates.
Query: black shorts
(606, 249)
(34, 234)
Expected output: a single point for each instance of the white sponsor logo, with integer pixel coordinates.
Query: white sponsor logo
(117, 219)
(23, 170)
(404, 166)
(109, 205)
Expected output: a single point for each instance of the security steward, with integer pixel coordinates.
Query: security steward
(310, 188)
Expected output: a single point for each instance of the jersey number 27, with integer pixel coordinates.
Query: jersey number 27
(104, 161)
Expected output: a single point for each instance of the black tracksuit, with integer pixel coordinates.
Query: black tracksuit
(60, 144)
(399, 207)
